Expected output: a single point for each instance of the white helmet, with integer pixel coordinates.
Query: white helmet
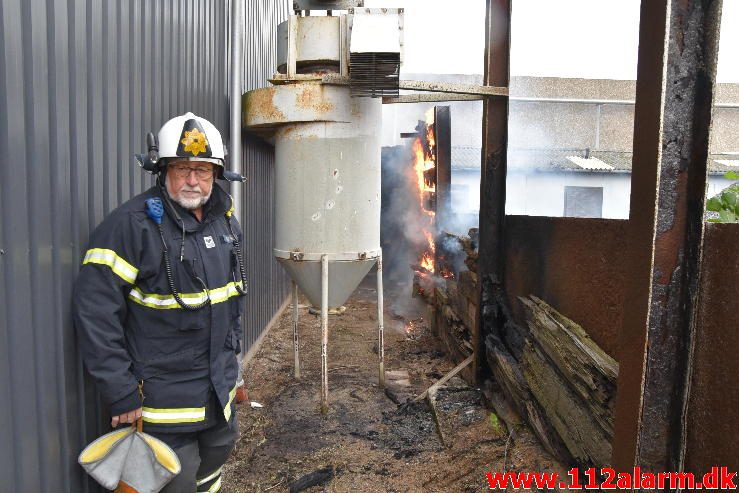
(189, 137)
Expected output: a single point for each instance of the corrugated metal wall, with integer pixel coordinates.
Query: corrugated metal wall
(81, 82)
(268, 284)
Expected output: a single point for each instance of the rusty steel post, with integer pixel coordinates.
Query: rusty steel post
(494, 164)
(381, 323)
(324, 334)
(678, 46)
(296, 337)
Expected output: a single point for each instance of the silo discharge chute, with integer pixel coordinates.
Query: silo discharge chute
(323, 114)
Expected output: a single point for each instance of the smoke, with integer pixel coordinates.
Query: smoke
(402, 219)
(403, 222)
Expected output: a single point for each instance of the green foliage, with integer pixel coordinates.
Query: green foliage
(495, 423)
(726, 204)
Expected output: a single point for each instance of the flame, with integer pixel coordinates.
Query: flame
(423, 161)
(427, 262)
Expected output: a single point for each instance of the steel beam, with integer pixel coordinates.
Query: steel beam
(678, 46)
(430, 98)
(454, 88)
(494, 164)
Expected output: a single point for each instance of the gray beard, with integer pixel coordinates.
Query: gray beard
(190, 204)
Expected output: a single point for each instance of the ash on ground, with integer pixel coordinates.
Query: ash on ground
(372, 440)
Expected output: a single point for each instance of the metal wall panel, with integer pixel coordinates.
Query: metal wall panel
(268, 284)
(81, 82)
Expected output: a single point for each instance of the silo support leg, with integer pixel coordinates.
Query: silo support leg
(381, 324)
(296, 339)
(324, 334)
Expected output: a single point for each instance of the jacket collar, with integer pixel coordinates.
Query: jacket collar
(220, 204)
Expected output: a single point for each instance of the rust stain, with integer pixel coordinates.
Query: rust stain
(669, 244)
(576, 265)
(311, 97)
(259, 107)
(714, 401)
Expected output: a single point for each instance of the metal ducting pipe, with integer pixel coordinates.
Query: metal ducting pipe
(235, 116)
(236, 59)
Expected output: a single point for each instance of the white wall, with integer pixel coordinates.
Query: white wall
(542, 193)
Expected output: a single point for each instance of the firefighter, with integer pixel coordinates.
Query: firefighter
(158, 302)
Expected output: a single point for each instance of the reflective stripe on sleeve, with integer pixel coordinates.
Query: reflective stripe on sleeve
(166, 302)
(227, 409)
(183, 415)
(210, 477)
(117, 264)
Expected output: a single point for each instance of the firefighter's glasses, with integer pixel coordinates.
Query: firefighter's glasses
(201, 172)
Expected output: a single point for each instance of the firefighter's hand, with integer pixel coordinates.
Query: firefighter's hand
(129, 417)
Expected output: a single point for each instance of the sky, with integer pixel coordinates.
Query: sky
(549, 38)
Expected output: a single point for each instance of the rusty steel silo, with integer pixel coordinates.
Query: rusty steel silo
(323, 113)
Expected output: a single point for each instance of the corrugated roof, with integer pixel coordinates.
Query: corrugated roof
(590, 163)
(466, 157)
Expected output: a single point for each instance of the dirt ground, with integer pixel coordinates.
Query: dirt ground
(371, 440)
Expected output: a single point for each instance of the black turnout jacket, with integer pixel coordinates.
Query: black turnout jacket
(135, 339)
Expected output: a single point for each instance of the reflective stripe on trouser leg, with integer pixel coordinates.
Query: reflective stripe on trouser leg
(215, 445)
(211, 482)
(211, 486)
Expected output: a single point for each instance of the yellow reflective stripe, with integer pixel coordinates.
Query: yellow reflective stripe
(117, 264)
(210, 477)
(166, 302)
(233, 207)
(216, 487)
(227, 409)
(177, 415)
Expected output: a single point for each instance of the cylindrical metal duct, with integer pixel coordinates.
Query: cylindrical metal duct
(327, 174)
(328, 198)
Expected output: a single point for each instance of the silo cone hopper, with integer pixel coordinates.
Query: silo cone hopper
(327, 163)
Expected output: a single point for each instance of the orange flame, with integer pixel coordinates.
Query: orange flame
(423, 161)
(427, 262)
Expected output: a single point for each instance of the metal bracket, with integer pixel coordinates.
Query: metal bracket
(326, 4)
(292, 46)
(315, 257)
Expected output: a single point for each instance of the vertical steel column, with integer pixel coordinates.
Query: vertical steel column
(296, 338)
(324, 334)
(381, 324)
(494, 163)
(443, 160)
(678, 46)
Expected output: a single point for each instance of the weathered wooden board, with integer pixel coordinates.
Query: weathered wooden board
(507, 373)
(568, 350)
(583, 437)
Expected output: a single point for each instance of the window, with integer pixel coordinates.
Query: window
(583, 202)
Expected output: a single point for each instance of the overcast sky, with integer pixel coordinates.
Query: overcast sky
(557, 38)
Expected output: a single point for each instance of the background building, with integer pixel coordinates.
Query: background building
(570, 144)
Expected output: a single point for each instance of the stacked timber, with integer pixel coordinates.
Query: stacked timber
(573, 381)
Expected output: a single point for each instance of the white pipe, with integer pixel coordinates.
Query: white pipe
(324, 334)
(296, 340)
(235, 116)
(381, 322)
